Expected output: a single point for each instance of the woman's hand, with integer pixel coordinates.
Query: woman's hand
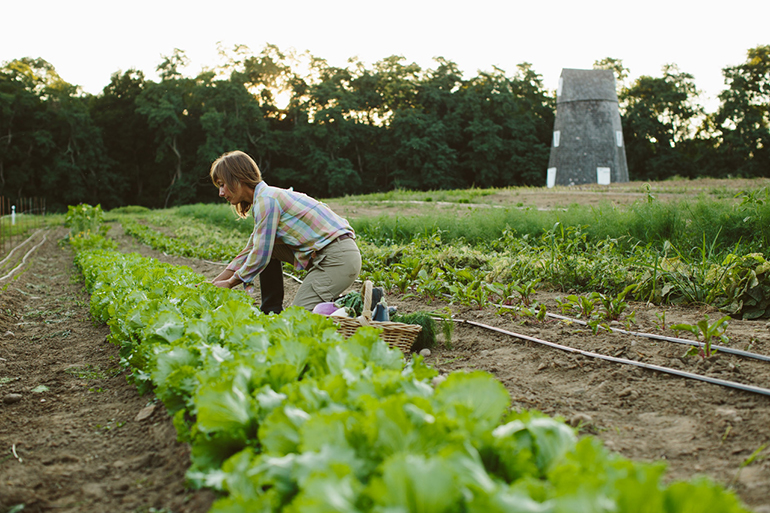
(224, 275)
(227, 283)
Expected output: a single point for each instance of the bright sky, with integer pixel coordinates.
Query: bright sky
(88, 40)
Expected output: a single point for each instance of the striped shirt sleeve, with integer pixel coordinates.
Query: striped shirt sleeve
(300, 222)
(256, 255)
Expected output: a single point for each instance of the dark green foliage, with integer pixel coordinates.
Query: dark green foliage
(427, 337)
(353, 301)
(352, 130)
(742, 122)
(746, 284)
(658, 115)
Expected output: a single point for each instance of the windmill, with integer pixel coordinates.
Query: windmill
(587, 142)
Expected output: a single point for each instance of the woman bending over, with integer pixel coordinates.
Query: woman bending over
(288, 227)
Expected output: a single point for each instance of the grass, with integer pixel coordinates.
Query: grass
(676, 187)
(683, 224)
(703, 209)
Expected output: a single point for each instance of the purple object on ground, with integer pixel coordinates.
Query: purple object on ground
(325, 308)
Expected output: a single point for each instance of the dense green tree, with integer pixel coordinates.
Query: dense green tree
(333, 130)
(230, 118)
(128, 140)
(50, 146)
(327, 131)
(270, 82)
(742, 122)
(390, 122)
(165, 106)
(26, 144)
(80, 171)
(507, 123)
(660, 118)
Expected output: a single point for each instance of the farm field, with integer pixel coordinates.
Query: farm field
(86, 438)
(542, 198)
(695, 427)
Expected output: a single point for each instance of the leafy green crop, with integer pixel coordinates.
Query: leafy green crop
(706, 330)
(746, 286)
(284, 414)
(192, 240)
(85, 218)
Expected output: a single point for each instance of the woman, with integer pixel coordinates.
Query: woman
(289, 227)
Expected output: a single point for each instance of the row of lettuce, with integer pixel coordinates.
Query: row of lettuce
(282, 413)
(561, 259)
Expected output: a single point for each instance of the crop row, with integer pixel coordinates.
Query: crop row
(561, 259)
(284, 414)
(189, 240)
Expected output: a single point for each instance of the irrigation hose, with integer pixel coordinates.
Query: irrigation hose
(213, 263)
(24, 260)
(722, 349)
(676, 340)
(667, 370)
(17, 247)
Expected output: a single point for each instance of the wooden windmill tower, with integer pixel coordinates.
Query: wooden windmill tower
(587, 142)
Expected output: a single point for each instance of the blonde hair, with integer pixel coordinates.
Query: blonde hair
(233, 168)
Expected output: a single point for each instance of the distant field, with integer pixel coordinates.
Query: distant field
(410, 203)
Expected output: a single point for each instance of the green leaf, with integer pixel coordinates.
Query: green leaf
(476, 398)
(227, 405)
(280, 431)
(417, 484)
(166, 324)
(177, 390)
(209, 450)
(234, 475)
(552, 439)
(400, 424)
(701, 494)
(504, 500)
(171, 359)
(326, 494)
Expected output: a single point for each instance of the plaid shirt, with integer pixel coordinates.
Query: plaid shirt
(299, 221)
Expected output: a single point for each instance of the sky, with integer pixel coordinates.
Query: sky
(88, 40)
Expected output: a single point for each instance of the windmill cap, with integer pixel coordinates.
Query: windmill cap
(586, 84)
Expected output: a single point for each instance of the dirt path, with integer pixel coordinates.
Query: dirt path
(81, 445)
(74, 434)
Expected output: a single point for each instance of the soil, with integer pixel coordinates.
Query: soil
(74, 434)
(88, 441)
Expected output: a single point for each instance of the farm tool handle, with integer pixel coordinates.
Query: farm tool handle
(366, 295)
(667, 370)
(721, 349)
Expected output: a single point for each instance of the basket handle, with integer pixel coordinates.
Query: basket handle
(366, 294)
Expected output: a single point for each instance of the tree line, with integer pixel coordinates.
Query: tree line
(331, 131)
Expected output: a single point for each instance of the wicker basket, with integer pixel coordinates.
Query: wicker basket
(395, 334)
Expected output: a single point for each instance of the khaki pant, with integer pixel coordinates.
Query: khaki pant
(333, 270)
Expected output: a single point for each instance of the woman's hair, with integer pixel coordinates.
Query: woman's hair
(233, 168)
